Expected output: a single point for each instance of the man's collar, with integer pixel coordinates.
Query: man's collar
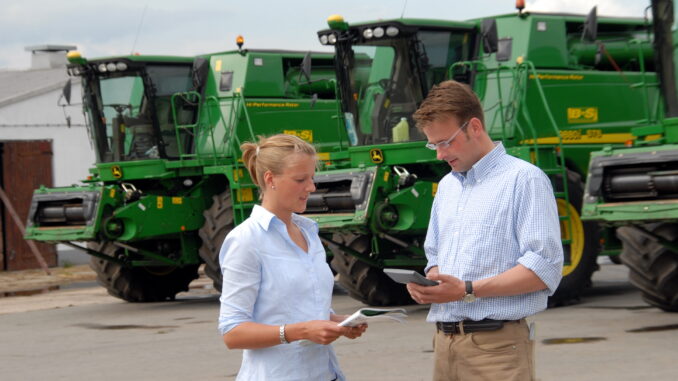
(483, 166)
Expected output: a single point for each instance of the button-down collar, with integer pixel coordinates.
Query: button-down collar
(482, 167)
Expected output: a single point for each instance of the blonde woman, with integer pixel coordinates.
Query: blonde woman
(277, 286)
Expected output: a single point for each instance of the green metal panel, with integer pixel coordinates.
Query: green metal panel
(154, 216)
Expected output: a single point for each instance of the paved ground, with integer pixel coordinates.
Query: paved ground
(33, 281)
(82, 333)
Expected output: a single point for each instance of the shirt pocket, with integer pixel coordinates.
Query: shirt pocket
(488, 249)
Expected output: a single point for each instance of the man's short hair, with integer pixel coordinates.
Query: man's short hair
(449, 98)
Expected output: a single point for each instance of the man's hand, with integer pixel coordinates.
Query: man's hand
(449, 289)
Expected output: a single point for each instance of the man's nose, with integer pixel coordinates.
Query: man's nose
(439, 153)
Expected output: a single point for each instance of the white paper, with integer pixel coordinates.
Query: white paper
(365, 315)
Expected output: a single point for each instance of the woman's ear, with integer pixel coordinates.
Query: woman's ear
(268, 180)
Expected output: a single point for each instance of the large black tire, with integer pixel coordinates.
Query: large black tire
(363, 282)
(218, 223)
(654, 268)
(140, 284)
(584, 248)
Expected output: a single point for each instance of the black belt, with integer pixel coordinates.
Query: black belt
(468, 326)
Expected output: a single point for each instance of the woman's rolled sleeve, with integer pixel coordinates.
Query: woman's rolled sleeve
(241, 271)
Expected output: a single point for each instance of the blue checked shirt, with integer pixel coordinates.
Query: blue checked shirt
(268, 279)
(501, 213)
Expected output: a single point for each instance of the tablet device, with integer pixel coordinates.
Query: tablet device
(409, 276)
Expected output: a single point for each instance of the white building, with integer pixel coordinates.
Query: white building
(29, 111)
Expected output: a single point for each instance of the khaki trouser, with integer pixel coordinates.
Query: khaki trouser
(505, 354)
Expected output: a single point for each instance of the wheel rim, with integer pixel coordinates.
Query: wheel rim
(574, 231)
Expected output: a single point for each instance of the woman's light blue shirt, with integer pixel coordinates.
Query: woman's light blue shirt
(268, 279)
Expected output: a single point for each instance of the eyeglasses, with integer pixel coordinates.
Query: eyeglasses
(446, 143)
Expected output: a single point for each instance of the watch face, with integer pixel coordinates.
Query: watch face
(468, 298)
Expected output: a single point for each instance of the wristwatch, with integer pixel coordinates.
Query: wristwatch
(469, 296)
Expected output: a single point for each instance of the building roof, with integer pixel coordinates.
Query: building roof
(18, 85)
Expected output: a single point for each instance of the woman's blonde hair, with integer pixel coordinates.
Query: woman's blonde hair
(270, 154)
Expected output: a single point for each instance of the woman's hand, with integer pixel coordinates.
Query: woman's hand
(318, 331)
(355, 332)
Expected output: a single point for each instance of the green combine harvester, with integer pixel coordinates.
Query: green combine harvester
(167, 185)
(551, 86)
(636, 189)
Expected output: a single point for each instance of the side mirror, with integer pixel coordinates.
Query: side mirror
(66, 92)
(590, 32)
(66, 95)
(199, 72)
(488, 29)
(306, 67)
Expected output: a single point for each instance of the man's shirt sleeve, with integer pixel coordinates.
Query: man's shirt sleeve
(538, 229)
(431, 242)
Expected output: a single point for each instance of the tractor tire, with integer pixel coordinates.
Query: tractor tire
(363, 282)
(218, 223)
(583, 249)
(653, 266)
(140, 284)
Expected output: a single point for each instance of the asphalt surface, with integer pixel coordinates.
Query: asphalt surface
(82, 333)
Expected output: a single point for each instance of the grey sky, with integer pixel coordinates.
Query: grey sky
(172, 27)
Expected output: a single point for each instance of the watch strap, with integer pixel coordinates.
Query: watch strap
(469, 287)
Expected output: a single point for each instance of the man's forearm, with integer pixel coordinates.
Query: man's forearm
(515, 281)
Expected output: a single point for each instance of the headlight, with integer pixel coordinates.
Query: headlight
(367, 33)
(379, 32)
(110, 66)
(332, 39)
(392, 31)
(102, 68)
(323, 39)
(121, 66)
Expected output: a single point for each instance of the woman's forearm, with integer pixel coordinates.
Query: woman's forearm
(253, 336)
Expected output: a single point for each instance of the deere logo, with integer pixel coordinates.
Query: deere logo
(116, 171)
(376, 155)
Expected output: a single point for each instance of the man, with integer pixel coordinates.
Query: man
(493, 244)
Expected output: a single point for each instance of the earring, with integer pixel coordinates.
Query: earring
(273, 187)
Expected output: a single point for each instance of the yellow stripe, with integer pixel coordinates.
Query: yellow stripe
(583, 139)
